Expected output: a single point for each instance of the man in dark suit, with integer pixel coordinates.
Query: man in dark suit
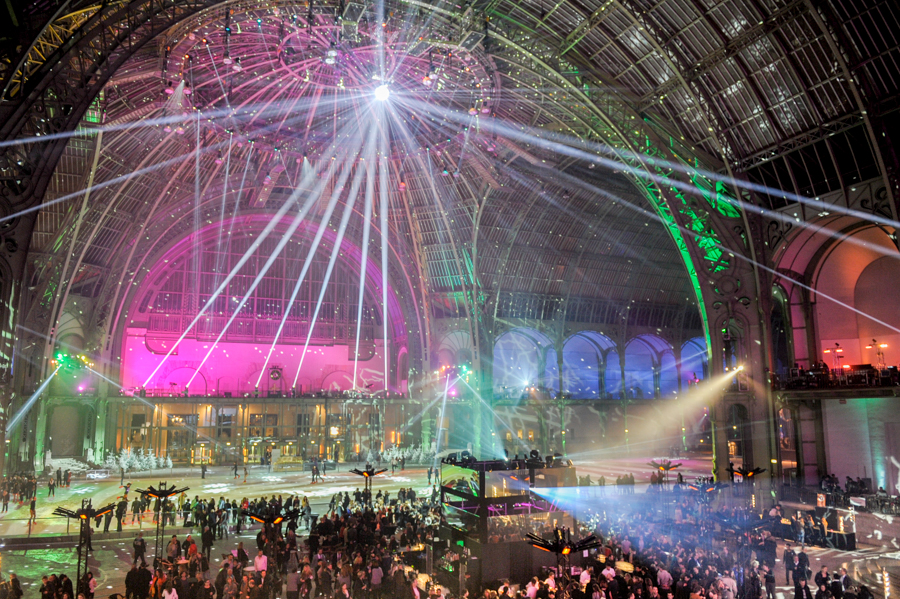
(846, 581)
(837, 589)
(788, 558)
(804, 563)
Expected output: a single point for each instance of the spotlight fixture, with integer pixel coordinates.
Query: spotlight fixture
(236, 67)
(265, 520)
(432, 75)
(167, 129)
(369, 472)
(187, 91)
(170, 89)
(746, 473)
(561, 543)
(382, 92)
(227, 59)
(179, 130)
(331, 54)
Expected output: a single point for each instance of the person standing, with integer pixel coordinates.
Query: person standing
(15, 587)
(846, 581)
(144, 578)
(788, 559)
(801, 591)
(836, 588)
(140, 548)
(59, 477)
(51, 488)
(206, 540)
(823, 577)
(203, 471)
(131, 582)
(236, 476)
(136, 509)
(804, 563)
(769, 582)
(88, 533)
(261, 562)
(293, 584)
(107, 519)
(121, 510)
(798, 571)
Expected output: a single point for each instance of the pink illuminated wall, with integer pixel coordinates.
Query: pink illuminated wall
(235, 367)
(864, 276)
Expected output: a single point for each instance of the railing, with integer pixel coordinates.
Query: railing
(259, 329)
(867, 502)
(829, 378)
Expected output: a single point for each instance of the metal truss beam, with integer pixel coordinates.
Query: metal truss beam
(732, 48)
(585, 27)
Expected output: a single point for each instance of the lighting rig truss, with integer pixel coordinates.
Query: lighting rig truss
(84, 517)
(368, 474)
(562, 545)
(163, 493)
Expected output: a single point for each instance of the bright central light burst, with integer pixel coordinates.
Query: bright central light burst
(382, 92)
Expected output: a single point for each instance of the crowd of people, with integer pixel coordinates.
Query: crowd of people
(350, 552)
(669, 558)
(17, 488)
(347, 553)
(354, 551)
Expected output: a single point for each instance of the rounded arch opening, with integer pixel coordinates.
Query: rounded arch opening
(520, 362)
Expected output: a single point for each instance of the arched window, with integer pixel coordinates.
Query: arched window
(693, 361)
(645, 359)
(585, 365)
(520, 361)
(668, 374)
(581, 368)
